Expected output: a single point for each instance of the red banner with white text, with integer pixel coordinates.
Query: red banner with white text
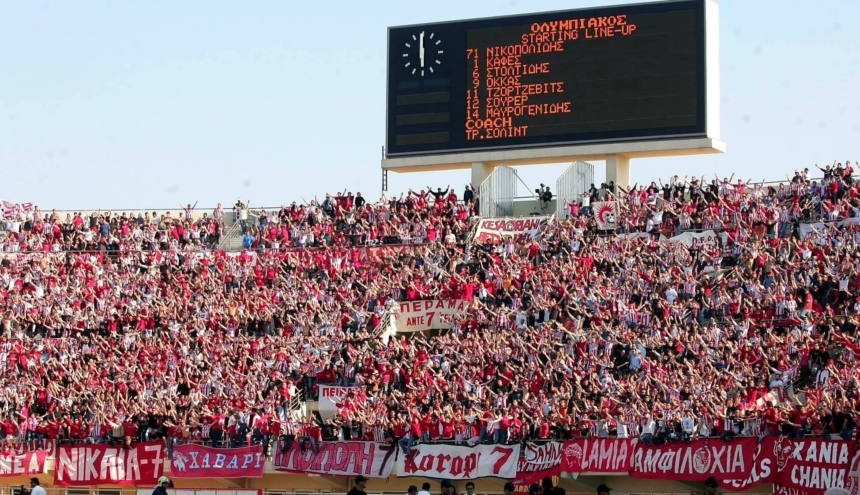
(695, 461)
(22, 463)
(196, 461)
(373, 460)
(100, 464)
(802, 467)
(598, 455)
(539, 461)
(454, 462)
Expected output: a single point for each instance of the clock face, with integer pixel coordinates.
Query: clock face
(422, 53)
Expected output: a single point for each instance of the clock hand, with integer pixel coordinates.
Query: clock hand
(421, 49)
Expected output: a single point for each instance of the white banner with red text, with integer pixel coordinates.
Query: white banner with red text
(372, 460)
(460, 463)
(330, 397)
(22, 463)
(100, 464)
(194, 461)
(697, 238)
(520, 229)
(417, 316)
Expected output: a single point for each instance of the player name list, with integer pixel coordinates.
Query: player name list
(515, 86)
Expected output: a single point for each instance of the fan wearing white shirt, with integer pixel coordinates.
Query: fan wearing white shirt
(649, 428)
(36, 488)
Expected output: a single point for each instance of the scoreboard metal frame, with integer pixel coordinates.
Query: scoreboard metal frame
(426, 101)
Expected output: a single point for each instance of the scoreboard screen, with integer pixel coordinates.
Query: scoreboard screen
(617, 73)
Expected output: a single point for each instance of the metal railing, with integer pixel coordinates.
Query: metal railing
(297, 405)
(384, 323)
(229, 235)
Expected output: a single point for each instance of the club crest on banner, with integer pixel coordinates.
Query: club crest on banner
(606, 214)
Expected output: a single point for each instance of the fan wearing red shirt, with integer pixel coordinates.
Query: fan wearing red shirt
(447, 424)
(411, 437)
(130, 428)
(799, 423)
(7, 429)
(544, 429)
(516, 432)
(311, 435)
(216, 427)
(773, 420)
(75, 428)
(430, 428)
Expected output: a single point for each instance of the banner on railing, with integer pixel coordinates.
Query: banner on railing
(373, 460)
(100, 464)
(460, 463)
(520, 229)
(539, 461)
(417, 316)
(598, 455)
(197, 461)
(355, 254)
(695, 461)
(797, 467)
(17, 463)
(330, 397)
(693, 238)
(147, 490)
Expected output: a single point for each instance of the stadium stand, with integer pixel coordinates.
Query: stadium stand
(709, 308)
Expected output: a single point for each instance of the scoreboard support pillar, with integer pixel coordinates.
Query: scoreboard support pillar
(480, 172)
(617, 169)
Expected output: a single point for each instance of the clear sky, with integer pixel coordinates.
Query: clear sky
(131, 104)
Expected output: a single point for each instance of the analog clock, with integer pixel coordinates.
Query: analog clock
(422, 53)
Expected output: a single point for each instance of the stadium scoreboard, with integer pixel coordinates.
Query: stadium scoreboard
(618, 73)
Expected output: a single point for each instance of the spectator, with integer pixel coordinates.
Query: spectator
(605, 335)
(359, 486)
(711, 485)
(240, 213)
(161, 488)
(547, 487)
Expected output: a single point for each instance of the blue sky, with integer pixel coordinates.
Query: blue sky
(120, 105)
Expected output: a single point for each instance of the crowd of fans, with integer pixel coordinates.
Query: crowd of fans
(122, 328)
